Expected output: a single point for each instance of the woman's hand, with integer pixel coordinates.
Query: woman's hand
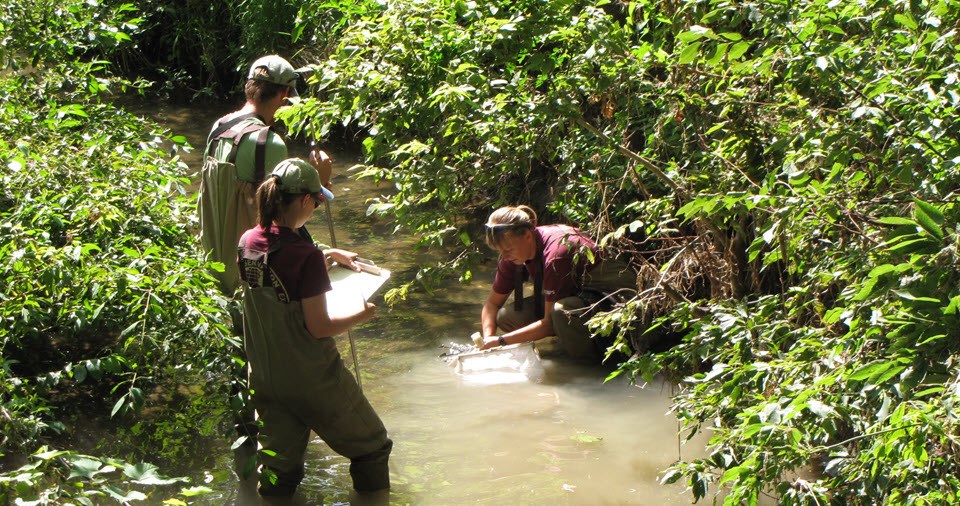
(343, 257)
(369, 310)
(490, 342)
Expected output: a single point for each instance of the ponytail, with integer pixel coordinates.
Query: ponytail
(271, 201)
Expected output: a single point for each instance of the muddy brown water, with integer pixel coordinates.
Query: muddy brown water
(569, 439)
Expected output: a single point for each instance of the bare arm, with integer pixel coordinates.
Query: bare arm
(536, 330)
(488, 315)
(342, 257)
(321, 324)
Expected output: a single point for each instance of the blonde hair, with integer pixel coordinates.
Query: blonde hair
(513, 220)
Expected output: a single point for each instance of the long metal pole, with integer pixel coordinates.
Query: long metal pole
(353, 346)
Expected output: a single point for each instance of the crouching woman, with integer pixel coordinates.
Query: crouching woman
(298, 379)
(569, 278)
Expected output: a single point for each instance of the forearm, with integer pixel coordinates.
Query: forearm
(488, 320)
(340, 324)
(536, 330)
(321, 324)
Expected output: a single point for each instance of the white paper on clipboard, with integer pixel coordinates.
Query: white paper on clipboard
(351, 289)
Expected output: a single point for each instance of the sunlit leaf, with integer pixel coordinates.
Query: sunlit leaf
(586, 438)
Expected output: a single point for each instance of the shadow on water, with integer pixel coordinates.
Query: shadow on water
(570, 439)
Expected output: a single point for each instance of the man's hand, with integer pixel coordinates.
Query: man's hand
(323, 164)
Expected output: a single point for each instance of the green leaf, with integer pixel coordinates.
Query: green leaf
(870, 370)
(886, 375)
(866, 289)
(737, 51)
(124, 497)
(880, 270)
(909, 296)
(195, 491)
(586, 438)
(929, 217)
(929, 391)
(734, 473)
(694, 34)
(905, 20)
(148, 474)
(919, 245)
(689, 53)
(87, 468)
(896, 220)
(118, 405)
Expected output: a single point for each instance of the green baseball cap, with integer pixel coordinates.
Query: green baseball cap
(298, 176)
(276, 70)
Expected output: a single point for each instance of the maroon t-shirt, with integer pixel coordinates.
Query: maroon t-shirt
(299, 265)
(557, 245)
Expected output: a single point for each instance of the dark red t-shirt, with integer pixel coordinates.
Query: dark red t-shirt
(299, 265)
(560, 249)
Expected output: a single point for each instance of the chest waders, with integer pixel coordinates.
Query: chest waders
(300, 384)
(227, 205)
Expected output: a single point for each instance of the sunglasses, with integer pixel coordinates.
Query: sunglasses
(317, 199)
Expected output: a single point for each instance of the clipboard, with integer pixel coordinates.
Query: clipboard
(351, 289)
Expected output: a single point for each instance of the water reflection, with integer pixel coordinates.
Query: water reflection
(570, 439)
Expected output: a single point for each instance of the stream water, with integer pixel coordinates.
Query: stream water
(569, 439)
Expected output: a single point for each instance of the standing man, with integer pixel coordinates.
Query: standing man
(240, 149)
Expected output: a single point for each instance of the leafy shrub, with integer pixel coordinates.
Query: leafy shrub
(783, 174)
(106, 297)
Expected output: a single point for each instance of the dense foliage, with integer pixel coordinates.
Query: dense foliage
(784, 174)
(106, 303)
(201, 50)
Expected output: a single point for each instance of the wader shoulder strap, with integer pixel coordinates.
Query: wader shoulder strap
(260, 154)
(518, 273)
(255, 268)
(264, 256)
(538, 306)
(223, 127)
(230, 123)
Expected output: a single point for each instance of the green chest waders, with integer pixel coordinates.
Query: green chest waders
(227, 205)
(300, 384)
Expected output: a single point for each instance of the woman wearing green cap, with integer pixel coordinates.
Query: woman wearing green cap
(296, 373)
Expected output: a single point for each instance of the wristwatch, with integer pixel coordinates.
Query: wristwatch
(501, 340)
